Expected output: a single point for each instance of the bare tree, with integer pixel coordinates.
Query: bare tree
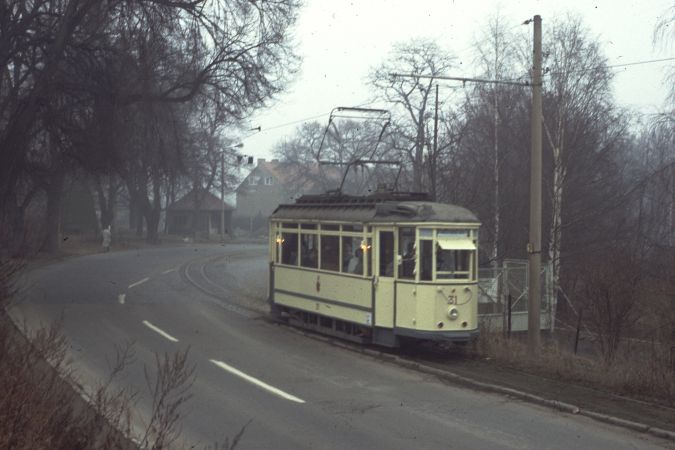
(580, 127)
(114, 59)
(495, 55)
(411, 97)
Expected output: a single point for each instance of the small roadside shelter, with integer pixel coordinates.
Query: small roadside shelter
(198, 213)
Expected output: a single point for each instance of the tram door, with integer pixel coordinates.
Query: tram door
(385, 266)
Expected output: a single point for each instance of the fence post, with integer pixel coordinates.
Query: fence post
(508, 326)
(576, 338)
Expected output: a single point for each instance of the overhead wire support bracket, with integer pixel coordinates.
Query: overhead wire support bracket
(462, 79)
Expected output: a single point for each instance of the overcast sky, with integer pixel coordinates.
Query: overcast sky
(340, 42)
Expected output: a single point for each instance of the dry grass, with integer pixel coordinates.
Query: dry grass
(644, 369)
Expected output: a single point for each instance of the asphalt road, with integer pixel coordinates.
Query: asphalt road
(296, 391)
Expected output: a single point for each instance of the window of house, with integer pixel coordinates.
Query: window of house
(252, 180)
(269, 181)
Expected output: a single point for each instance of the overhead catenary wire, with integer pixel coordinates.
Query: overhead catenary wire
(511, 81)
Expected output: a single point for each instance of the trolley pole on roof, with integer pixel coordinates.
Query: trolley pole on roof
(534, 246)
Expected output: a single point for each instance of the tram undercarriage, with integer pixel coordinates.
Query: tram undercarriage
(349, 331)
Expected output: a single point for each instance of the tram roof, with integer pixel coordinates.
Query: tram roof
(408, 207)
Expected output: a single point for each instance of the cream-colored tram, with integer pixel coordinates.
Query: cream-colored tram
(378, 269)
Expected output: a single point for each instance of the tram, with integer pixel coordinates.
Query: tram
(378, 269)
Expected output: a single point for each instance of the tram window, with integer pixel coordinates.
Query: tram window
(292, 225)
(406, 246)
(289, 249)
(308, 226)
(452, 264)
(330, 227)
(426, 255)
(452, 234)
(330, 253)
(352, 255)
(352, 228)
(426, 233)
(308, 251)
(386, 254)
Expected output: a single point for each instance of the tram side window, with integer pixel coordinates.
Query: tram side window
(406, 245)
(308, 251)
(426, 255)
(352, 255)
(386, 254)
(289, 249)
(330, 253)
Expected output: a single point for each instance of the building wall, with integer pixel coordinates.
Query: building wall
(206, 223)
(259, 195)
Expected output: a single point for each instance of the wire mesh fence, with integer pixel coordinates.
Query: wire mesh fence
(503, 296)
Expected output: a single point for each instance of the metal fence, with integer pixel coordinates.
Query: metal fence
(501, 287)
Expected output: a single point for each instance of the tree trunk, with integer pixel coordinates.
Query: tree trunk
(152, 220)
(152, 213)
(54, 191)
(106, 203)
(555, 232)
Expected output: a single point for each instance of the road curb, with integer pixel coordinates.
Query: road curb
(660, 432)
(510, 392)
(555, 404)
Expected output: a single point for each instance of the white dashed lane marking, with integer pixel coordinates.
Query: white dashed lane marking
(139, 282)
(159, 331)
(257, 382)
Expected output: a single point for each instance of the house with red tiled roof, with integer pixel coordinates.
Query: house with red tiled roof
(199, 212)
(274, 182)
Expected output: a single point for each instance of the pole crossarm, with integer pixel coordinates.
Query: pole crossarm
(462, 79)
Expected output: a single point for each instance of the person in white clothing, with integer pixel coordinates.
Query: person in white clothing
(107, 237)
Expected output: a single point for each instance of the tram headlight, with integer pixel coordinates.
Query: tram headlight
(453, 314)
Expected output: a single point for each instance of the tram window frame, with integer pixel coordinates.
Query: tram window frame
(463, 259)
(309, 259)
(408, 256)
(289, 225)
(330, 252)
(287, 241)
(431, 254)
(426, 264)
(386, 254)
(459, 270)
(368, 251)
(355, 255)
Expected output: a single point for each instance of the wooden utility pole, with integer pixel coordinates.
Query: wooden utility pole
(434, 159)
(534, 246)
